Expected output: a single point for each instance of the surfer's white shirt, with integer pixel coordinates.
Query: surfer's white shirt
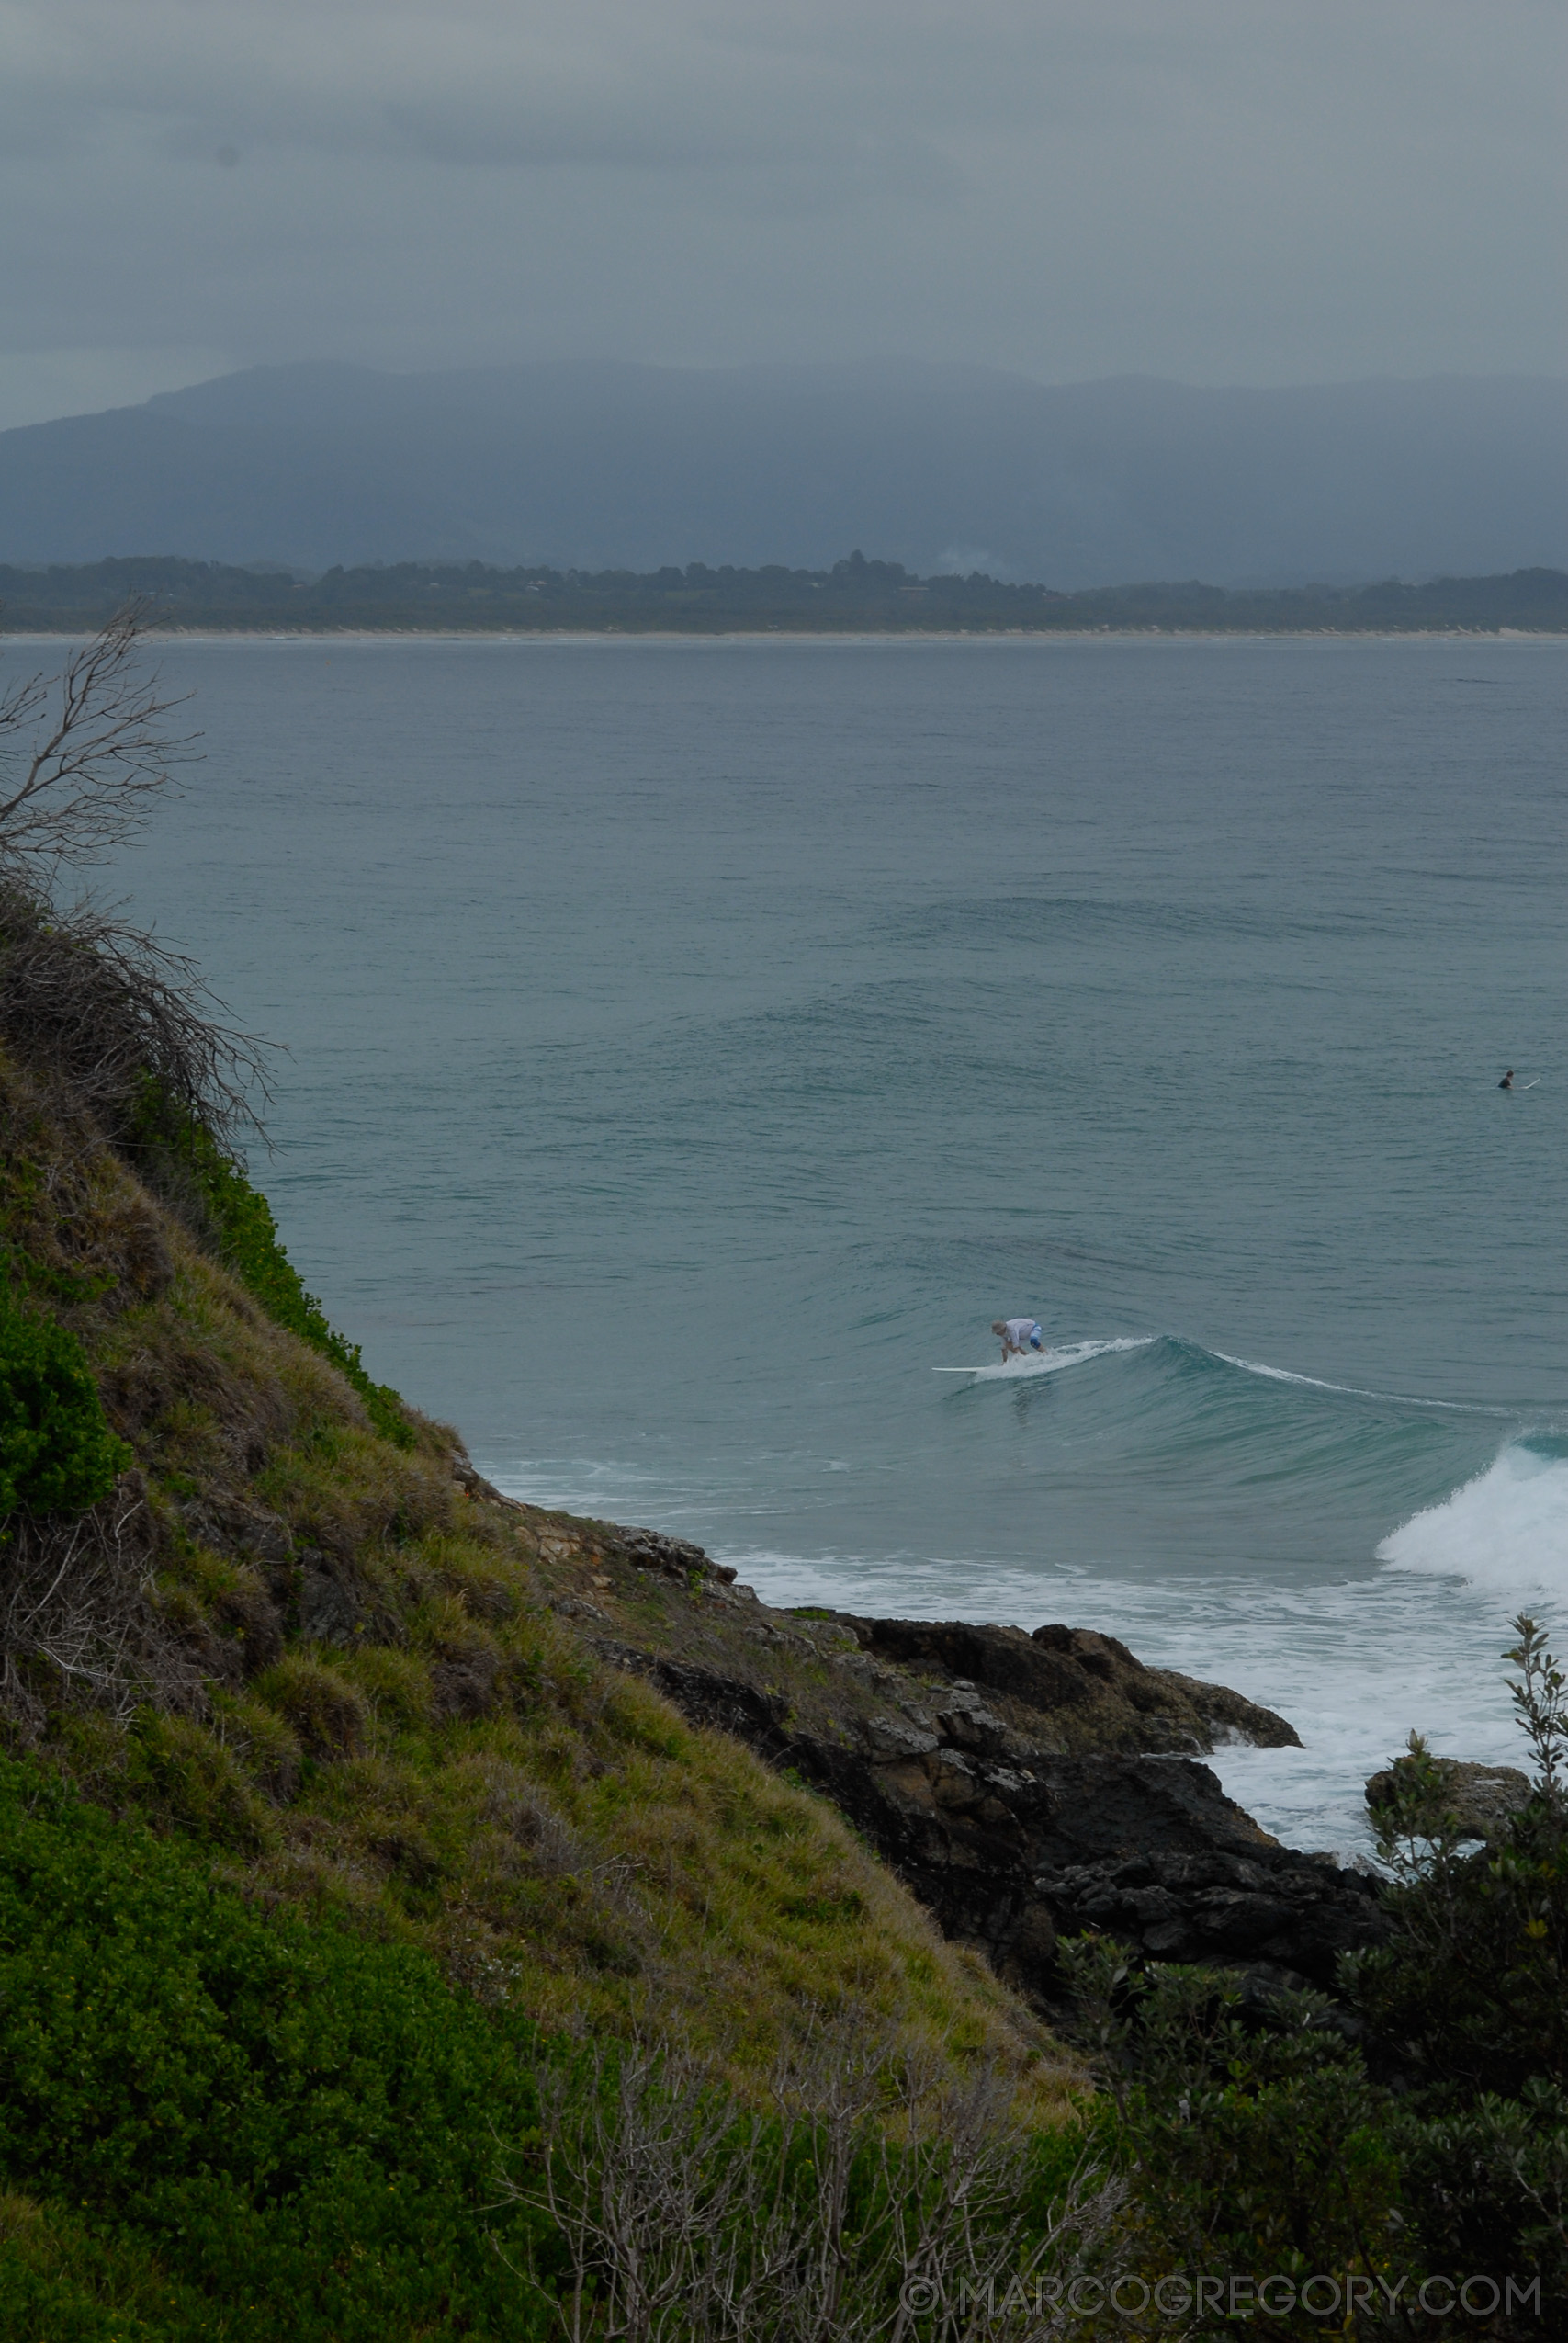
(1020, 1332)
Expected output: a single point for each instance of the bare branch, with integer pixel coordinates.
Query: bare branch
(690, 2219)
(87, 998)
(101, 1006)
(83, 756)
(77, 1619)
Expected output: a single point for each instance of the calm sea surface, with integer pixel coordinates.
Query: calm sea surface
(693, 1045)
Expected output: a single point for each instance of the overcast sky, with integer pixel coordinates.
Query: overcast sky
(1253, 191)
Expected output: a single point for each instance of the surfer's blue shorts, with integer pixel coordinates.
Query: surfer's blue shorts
(1034, 1340)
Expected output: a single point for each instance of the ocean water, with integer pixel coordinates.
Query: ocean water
(692, 1047)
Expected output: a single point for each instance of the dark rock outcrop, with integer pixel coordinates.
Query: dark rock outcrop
(675, 1556)
(1009, 1851)
(1065, 1688)
(1265, 1909)
(1024, 1786)
(1479, 1799)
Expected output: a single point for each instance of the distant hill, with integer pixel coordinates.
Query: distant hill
(600, 466)
(855, 597)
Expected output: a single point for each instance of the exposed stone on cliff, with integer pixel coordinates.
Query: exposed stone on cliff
(1066, 1689)
(1024, 1786)
(1479, 1798)
(1010, 1852)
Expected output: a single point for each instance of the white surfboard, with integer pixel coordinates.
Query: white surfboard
(1047, 1362)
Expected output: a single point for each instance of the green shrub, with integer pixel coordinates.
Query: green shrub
(1253, 2140)
(1487, 2185)
(1472, 1991)
(57, 1452)
(229, 2123)
(1474, 1983)
(61, 2282)
(298, 2128)
(166, 1138)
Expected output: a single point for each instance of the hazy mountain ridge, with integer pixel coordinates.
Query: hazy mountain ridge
(596, 465)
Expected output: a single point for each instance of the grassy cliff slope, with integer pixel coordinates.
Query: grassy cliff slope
(322, 1826)
(336, 1668)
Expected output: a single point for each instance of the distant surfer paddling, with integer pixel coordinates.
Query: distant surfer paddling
(1019, 1336)
(1507, 1081)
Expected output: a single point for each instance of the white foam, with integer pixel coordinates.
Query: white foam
(1506, 1530)
(1354, 1663)
(1356, 1390)
(1048, 1362)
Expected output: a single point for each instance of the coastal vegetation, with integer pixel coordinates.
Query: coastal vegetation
(856, 595)
(1411, 2131)
(386, 1950)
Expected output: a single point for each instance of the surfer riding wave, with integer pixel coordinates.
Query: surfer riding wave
(1019, 1336)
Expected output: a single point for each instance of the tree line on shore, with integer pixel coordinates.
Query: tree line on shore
(855, 596)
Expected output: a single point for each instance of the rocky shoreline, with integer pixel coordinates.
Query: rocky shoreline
(1025, 1787)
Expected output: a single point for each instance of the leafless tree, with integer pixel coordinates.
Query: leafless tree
(87, 997)
(84, 752)
(97, 1004)
(689, 2220)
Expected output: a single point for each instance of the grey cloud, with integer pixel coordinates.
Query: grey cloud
(1254, 191)
(492, 132)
